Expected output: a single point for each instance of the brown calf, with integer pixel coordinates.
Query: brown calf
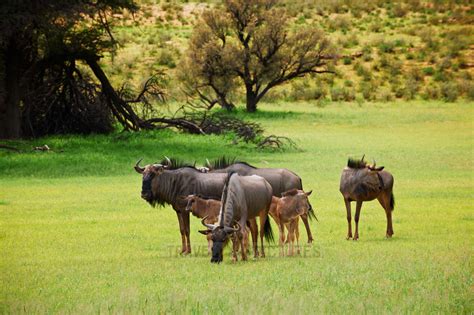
(286, 212)
(207, 209)
(204, 208)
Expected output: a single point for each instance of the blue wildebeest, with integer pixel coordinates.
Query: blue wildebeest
(161, 185)
(286, 212)
(280, 179)
(243, 198)
(361, 182)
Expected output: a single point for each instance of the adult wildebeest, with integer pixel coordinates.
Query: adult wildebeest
(168, 186)
(280, 179)
(360, 182)
(243, 198)
(286, 212)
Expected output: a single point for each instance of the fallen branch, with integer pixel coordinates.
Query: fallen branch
(7, 147)
(276, 142)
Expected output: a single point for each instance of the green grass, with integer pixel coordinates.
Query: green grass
(76, 238)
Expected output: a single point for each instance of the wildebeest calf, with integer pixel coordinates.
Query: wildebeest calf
(204, 208)
(286, 212)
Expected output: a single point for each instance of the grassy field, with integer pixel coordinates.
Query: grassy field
(75, 236)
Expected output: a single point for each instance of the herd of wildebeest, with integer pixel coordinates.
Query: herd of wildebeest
(229, 195)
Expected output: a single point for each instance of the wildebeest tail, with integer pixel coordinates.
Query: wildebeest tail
(311, 213)
(392, 201)
(267, 231)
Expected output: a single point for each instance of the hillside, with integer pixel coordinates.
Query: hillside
(398, 50)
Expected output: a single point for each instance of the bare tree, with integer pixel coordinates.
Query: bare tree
(249, 43)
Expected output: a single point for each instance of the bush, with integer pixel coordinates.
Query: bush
(428, 71)
(449, 91)
(386, 47)
(347, 60)
(431, 92)
(166, 59)
(342, 94)
(367, 90)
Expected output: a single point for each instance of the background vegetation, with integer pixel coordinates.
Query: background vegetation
(387, 50)
(76, 237)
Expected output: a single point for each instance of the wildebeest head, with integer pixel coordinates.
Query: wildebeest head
(149, 172)
(299, 200)
(220, 237)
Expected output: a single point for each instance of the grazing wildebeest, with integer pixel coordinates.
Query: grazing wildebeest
(168, 186)
(360, 182)
(286, 212)
(280, 179)
(243, 198)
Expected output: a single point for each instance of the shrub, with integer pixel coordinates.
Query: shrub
(386, 47)
(428, 71)
(449, 91)
(342, 94)
(347, 60)
(367, 90)
(431, 92)
(166, 59)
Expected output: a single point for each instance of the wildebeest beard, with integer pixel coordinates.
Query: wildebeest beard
(219, 240)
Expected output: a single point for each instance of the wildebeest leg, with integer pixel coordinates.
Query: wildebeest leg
(297, 235)
(235, 245)
(384, 200)
(357, 215)
(281, 228)
(187, 229)
(349, 224)
(182, 231)
(244, 238)
(291, 238)
(263, 220)
(254, 232)
(304, 217)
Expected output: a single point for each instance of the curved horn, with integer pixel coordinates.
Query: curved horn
(138, 168)
(208, 164)
(229, 229)
(375, 163)
(209, 226)
(363, 156)
(168, 161)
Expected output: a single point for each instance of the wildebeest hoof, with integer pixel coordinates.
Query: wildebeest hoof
(310, 241)
(348, 237)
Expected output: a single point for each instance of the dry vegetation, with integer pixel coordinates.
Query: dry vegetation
(386, 50)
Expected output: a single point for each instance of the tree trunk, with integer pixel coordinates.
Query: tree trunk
(225, 104)
(251, 100)
(10, 115)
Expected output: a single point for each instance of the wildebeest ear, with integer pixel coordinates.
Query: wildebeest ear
(158, 167)
(309, 193)
(205, 232)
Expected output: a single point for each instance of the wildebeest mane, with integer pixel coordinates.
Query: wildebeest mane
(177, 163)
(224, 196)
(167, 193)
(224, 162)
(221, 162)
(356, 164)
